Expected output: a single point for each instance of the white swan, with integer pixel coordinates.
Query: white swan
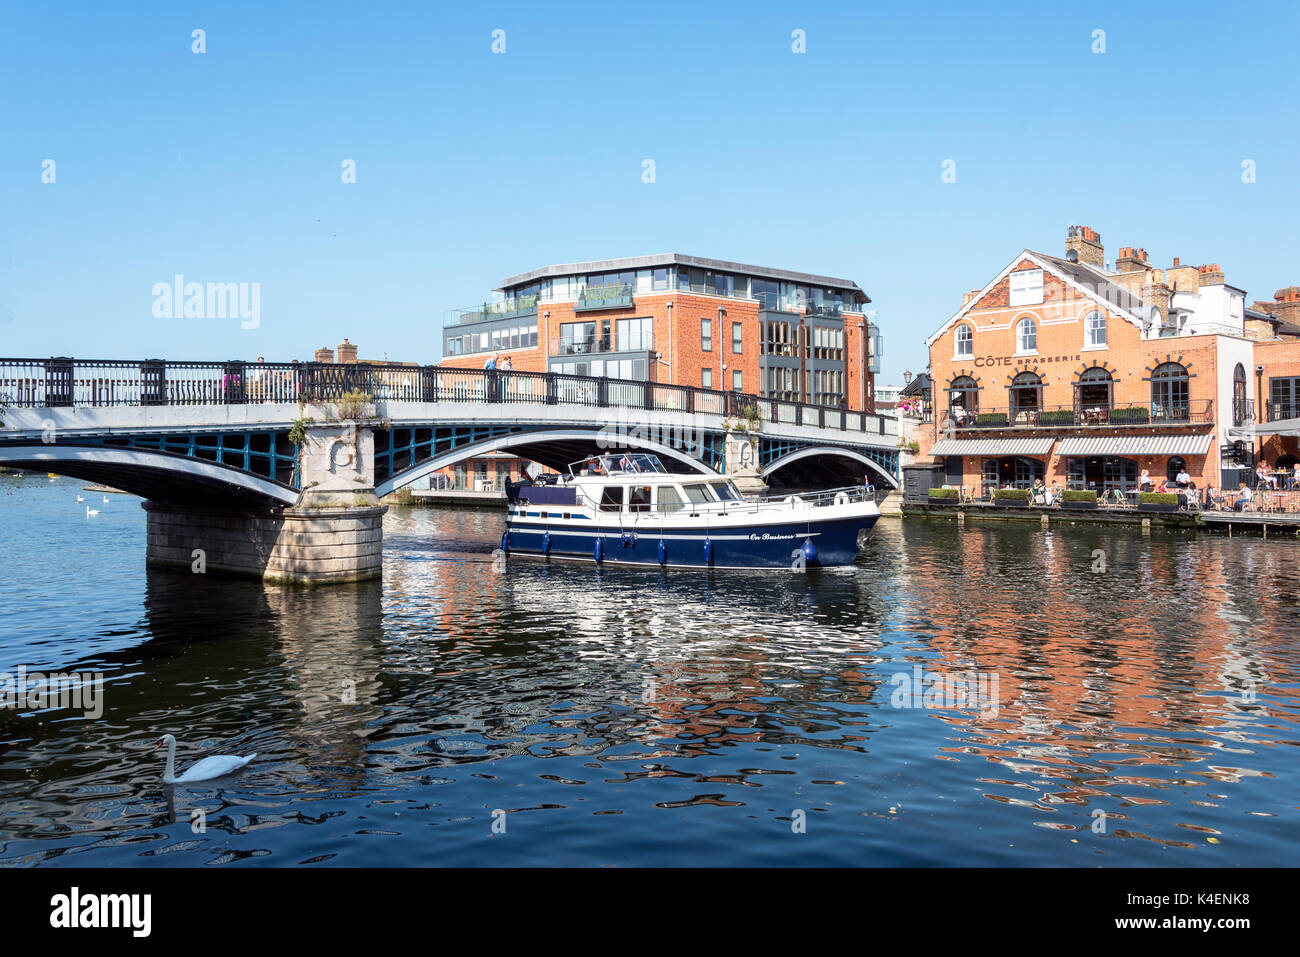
(91, 511)
(216, 766)
(105, 499)
(80, 499)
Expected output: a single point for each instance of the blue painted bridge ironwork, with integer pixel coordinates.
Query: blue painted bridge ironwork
(163, 429)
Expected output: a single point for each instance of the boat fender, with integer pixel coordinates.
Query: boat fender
(793, 500)
(663, 553)
(600, 550)
(546, 543)
(809, 551)
(505, 541)
(841, 498)
(708, 551)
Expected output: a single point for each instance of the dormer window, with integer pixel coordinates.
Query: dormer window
(965, 342)
(1026, 287)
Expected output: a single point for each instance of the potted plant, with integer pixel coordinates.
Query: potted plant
(1077, 499)
(1133, 415)
(1056, 417)
(1011, 497)
(1157, 502)
(943, 495)
(991, 420)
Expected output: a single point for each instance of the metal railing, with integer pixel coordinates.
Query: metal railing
(594, 344)
(1282, 410)
(81, 383)
(1199, 412)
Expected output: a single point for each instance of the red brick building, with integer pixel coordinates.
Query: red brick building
(1072, 370)
(681, 320)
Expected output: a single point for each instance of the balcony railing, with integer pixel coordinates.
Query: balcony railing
(501, 309)
(1200, 412)
(594, 345)
(604, 297)
(1282, 410)
(1243, 411)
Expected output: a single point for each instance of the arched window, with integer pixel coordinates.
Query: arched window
(1169, 385)
(1092, 396)
(963, 399)
(965, 340)
(1176, 465)
(1241, 411)
(1094, 329)
(1026, 398)
(1026, 335)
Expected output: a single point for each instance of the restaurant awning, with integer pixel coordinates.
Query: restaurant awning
(992, 446)
(1137, 445)
(1280, 427)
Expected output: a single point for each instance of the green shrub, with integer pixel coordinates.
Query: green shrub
(991, 418)
(943, 493)
(1134, 413)
(1079, 495)
(1012, 494)
(1157, 498)
(1056, 417)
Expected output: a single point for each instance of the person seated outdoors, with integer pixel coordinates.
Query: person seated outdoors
(1264, 479)
(1295, 480)
(1243, 499)
(1184, 479)
(1054, 493)
(1162, 488)
(1144, 481)
(1039, 492)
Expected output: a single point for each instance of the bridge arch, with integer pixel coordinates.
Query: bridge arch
(555, 448)
(160, 476)
(804, 469)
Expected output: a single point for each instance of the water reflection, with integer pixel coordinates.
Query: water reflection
(683, 717)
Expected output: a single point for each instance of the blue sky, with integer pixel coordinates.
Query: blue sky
(472, 166)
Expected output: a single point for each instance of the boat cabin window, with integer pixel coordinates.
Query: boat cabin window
(640, 499)
(611, 499)
(669, 500)
(725, 491)
(697, 493)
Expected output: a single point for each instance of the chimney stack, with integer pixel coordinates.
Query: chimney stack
(1156, 293)
(1086, 243)
(1209, 275)
(1131, 259)
(324, 354)
(347, 352)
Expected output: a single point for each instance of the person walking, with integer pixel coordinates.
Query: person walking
(490, 378)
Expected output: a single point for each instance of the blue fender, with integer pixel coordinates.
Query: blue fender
(708, 550)
(599, 550)
(809, 552)
(546, 543)
(663, 553)
(505, 541)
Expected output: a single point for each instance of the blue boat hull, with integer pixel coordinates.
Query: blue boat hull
(834, 541)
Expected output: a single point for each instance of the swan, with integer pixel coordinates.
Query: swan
(216, 766)
(91, 511)
(105, 499)
(80, 499)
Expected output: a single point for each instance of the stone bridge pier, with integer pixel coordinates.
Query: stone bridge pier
(333, 534)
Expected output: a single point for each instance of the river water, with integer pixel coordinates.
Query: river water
(1104, 698)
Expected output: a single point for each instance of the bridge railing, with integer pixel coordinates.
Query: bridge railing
(67, 382)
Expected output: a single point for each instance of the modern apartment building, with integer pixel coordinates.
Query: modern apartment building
(1071, 369)
(681, 320)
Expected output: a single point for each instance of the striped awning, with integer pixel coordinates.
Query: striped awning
(1137, 445)
(992, 446)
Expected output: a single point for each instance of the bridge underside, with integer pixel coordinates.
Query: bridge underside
(813, 467)
(157, 476)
